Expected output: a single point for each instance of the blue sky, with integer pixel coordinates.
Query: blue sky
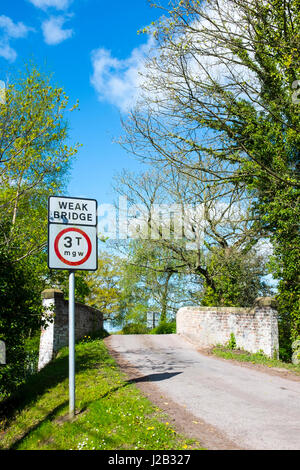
(93, 50)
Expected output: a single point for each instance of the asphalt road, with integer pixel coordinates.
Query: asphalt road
(253, 409)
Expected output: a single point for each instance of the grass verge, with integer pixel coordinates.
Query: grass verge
(254, 358)
(112, 414)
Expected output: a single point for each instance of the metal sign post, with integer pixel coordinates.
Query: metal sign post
(72, 245)
(71, 344)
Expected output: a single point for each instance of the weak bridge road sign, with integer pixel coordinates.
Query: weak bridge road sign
(72, 233)
(72, 210)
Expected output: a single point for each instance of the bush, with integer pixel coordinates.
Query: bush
(135, 329)
(20, 317)
(232, 342)
(164, 328)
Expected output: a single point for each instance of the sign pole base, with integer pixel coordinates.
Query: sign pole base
(71, 344)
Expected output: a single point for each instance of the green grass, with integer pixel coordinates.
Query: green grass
(111, 414)
(254, 358)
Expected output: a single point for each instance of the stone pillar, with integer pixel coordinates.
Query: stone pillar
(47, 346)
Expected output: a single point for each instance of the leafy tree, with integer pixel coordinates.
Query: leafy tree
(221, 86)
(34, 157)
(134, 299)
(104, 286)
(152, 283)
(238, 278)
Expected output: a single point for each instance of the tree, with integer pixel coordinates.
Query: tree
(151, 280)
(104, 286)
(205, 232)
(221, 86)
(34, 158)
(134, 305)
(238, 278)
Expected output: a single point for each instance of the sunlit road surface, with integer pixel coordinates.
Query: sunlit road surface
(253, 409)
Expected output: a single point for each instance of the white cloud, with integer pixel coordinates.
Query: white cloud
(7, 52)
(119, 81)
(58, 4)
(53, 30)
(10, 30)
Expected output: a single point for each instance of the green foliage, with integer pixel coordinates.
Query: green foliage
(232, 342)
(20, 316)
(135, 329)
(104, 291)
(254, 358)
(164, 328)
(34, 157)
(60, 280)
(285, 351)
(149, 282)
(134, 297)
(237, 278)
(32, 347)
(282, 215)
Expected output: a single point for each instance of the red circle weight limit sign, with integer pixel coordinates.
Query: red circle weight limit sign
(73, 243)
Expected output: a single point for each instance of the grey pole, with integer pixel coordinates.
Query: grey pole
(71, 344)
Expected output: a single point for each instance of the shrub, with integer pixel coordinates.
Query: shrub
(232, 342)
(20, 317)
(135, 329)
(164, 328)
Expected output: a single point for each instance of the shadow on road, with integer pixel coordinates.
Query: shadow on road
(154, 377)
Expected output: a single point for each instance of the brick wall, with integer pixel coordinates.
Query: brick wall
(56, 335)
(254, 329)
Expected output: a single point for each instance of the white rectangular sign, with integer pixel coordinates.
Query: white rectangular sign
(73, 211)
(72, 247)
